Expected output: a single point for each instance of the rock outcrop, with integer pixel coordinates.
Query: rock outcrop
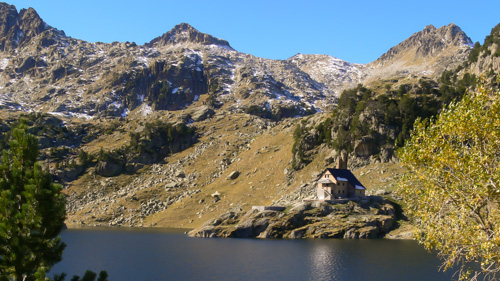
(17, 29)
(428, 42)
(428, 52)
(184, 33)
(486, 58)
(349, 220)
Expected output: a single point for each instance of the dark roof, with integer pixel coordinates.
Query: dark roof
(346, 174)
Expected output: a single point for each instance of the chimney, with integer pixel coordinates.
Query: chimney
(341, 160)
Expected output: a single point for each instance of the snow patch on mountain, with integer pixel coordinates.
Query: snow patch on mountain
(3, 63)
(144, 109)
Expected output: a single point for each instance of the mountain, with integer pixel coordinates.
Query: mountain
(334, 73)
(428, 53)
(76, 78)
(154, 134)
(50, 72)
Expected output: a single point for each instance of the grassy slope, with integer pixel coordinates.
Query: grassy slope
(260, 154)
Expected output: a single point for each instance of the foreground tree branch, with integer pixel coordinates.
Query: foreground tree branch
(32, 212)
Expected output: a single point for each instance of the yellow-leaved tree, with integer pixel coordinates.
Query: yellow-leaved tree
(452, 187)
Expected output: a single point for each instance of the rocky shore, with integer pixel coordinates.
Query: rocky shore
(370, 219)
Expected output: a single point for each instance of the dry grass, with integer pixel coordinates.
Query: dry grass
(260, 155)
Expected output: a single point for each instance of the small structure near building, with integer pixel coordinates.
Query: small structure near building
(339, 183)
(268, 208)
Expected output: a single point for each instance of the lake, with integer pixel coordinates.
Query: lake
(159, 254)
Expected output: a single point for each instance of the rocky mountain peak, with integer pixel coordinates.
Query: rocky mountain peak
(452, 34)
(30, 23)
(428, 42)
(185, 33)
(427, 52)
(429, 28)
(8, 17)
(8, 25)
(19, 28)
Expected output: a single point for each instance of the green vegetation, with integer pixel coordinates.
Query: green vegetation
(385, 118)
(486, 48)
(299, 160)
(88, 276)
(32, 212)
(213, 89)
(162, 138)
(151, 145)
(452, 186)
(61, 145)
(259, 111)
(279, 112)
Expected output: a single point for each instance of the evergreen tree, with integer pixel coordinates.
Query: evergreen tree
(32, 212)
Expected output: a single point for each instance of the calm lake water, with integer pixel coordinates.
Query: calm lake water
(151, 254)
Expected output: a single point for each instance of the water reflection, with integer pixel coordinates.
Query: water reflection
(326, 262)
(147, 255)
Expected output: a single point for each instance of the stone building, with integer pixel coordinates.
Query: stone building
(339, 184)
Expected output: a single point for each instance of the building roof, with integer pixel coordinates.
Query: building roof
(346, 175)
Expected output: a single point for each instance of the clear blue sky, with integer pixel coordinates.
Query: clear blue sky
(356, 31)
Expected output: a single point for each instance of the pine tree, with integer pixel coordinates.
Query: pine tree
(32, 212)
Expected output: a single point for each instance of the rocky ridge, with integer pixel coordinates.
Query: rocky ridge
(426, 53)
(43, 70)
(350, 220)
(335, 73)
(185, 34)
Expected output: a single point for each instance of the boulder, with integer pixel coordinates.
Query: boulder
(386, 224)
(171, 185)
(386, 154)
(244, 229)
(300, 208)
(205, 231)
(297, 233)
(365, 147)
(367, 232)
(201, 113)
(69, 174)
(233, 175)
(109, 168)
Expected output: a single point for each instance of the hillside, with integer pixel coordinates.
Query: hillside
(184, 128)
